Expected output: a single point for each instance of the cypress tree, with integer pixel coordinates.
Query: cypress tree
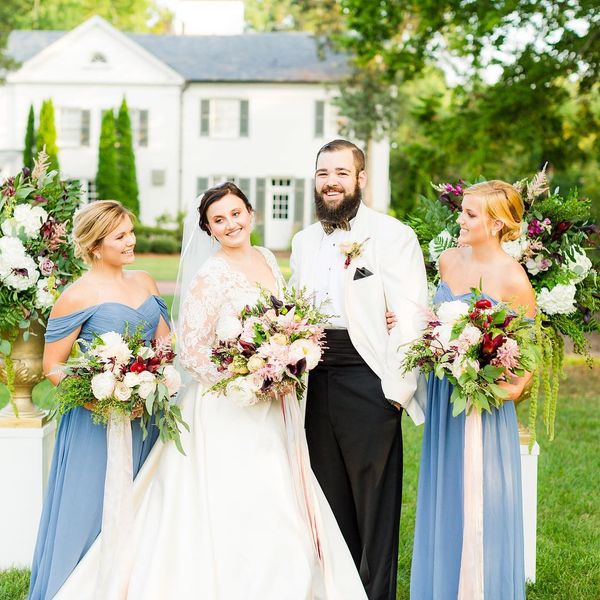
(29, 148)
(46, 135)
(107, 176)
(126, 161)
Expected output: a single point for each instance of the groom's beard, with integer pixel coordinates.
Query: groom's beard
(344, 211)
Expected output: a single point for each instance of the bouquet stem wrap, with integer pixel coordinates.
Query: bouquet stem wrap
(470, 585)
(300, 467)
(117, 512)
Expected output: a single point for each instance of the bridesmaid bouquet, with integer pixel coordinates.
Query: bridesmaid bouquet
(268, 347)
(123, 374)
(476, 346)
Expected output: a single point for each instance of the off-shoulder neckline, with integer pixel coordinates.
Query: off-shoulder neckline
(95, 306)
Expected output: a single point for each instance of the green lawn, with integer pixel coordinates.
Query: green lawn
(163, 267)
(568, 551)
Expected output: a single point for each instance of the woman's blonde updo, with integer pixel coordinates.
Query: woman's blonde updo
(93, 222)
(501, 202)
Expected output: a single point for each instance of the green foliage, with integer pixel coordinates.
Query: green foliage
(29, 146)
(129, 195)
(46, 134)
(127, 15)
(165, 245)
(107, 176)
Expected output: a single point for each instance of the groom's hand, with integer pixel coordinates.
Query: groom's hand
(390, 319)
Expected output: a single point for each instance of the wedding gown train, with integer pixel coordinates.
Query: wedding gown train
(224, 522)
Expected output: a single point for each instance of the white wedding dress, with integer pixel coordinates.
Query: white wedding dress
(225, 521)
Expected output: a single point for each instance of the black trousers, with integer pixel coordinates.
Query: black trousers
(355, 443)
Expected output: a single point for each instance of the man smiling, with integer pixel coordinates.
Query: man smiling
(361, 263)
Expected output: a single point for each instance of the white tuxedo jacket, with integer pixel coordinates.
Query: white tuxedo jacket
(398, 283)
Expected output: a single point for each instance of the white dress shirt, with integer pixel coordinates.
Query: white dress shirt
(330, 275)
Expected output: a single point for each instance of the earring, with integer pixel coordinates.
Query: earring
(97, 256)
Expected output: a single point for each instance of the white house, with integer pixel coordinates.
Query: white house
(253, 108)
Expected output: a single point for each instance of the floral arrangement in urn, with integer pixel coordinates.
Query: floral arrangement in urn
(37, 259)
(554, 249)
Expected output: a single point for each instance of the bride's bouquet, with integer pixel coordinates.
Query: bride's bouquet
(476, 346)
(122, 374)
(268, 347)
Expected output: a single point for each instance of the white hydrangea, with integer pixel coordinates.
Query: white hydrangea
(17, 269)
(44, 298)
(441, 242)
(26, 219)
(560, 300)
(580, 265)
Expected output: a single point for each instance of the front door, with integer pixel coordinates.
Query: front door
(279, 211)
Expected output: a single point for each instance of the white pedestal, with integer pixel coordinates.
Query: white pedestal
(529, 468)
(25, 455)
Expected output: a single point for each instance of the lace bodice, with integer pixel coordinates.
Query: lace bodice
(217, 290)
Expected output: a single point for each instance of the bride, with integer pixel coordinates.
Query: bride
(226, 521)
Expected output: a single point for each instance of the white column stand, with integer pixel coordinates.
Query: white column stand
(25, 455)
(529, 470)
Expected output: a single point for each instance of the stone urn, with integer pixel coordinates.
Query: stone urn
(27, 364)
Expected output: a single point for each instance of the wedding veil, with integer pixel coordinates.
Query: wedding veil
(196, 248)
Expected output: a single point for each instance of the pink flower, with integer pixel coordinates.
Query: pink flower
(46, 266)
(507, 354)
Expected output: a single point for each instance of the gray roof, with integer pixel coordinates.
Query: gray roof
(280, 56)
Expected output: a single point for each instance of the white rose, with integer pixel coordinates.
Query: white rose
(580, 265)
(147, 384)
(103, 385)
(131, 379)
(228, 328)
(305, 349)
(242, 391)
(172, 379)
(255, 363)
(450, 312)
(122, 392)
(560, 300)
(279, 339)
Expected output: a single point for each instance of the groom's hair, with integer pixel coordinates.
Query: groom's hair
(214, 194)
(337, 145)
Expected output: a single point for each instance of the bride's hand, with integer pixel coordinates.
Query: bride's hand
(390, 319)
(515, 385)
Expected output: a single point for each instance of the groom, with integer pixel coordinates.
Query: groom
(362, 263)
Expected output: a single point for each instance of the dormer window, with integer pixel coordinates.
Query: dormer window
(98, 59)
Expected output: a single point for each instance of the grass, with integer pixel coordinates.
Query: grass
(163, 267)
(568, 543)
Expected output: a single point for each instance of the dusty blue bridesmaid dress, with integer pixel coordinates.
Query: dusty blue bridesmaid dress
(72, 512)
(439, 525)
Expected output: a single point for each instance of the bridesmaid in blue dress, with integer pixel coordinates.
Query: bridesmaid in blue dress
(491, 214)
(105, 298)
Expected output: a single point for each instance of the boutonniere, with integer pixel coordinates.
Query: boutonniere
(351, 250)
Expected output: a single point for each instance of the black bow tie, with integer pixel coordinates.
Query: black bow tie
(329, 227)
